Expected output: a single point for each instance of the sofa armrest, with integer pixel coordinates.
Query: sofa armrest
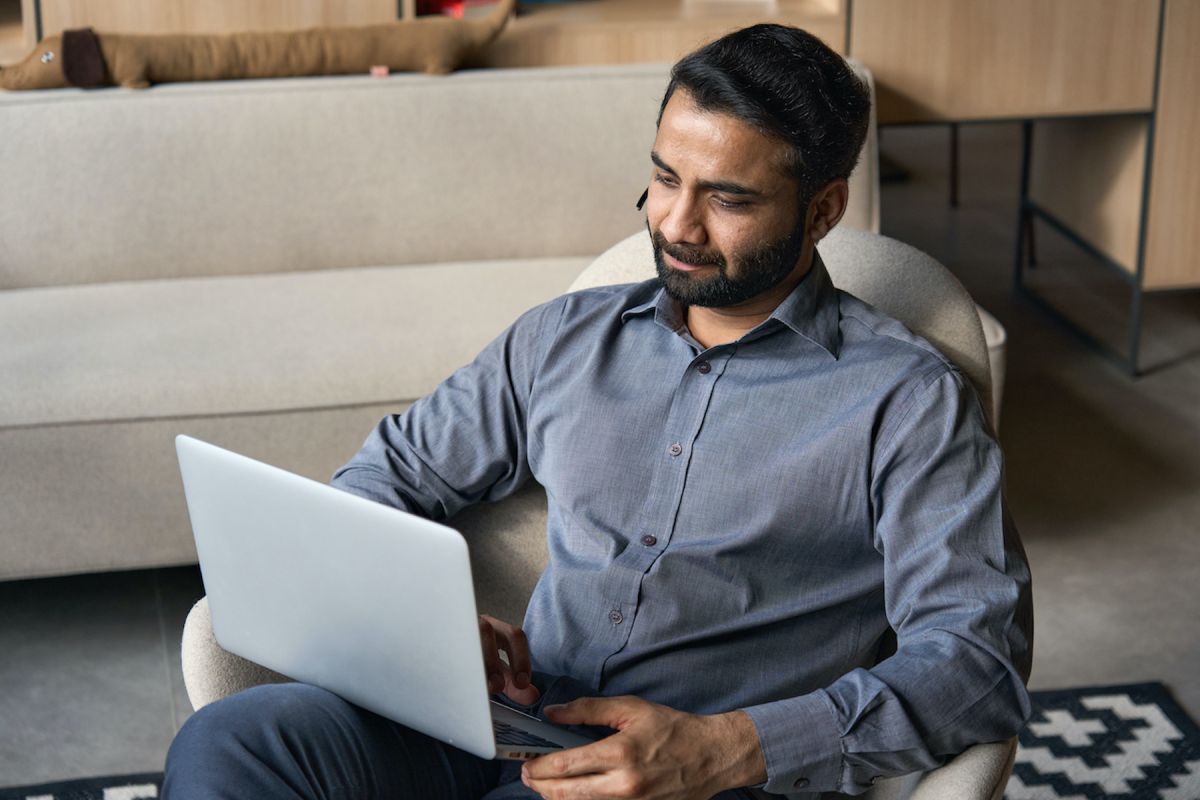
(209, 671)
(978, 773)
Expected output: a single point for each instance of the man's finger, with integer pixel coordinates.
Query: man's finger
(613, 712)
(525, 695)
(492, 665)
(515, 645)
(588, 759)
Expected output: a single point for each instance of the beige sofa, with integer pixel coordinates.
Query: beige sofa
(273, 266)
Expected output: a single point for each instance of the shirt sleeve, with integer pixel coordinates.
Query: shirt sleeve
(957, 594)
(465, 442)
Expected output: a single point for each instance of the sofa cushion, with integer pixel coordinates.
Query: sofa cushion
(243, 344)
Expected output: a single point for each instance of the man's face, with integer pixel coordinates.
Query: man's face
(723, 209)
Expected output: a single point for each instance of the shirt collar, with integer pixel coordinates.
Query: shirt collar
(811, 310)
(666, 310)
(642, 308)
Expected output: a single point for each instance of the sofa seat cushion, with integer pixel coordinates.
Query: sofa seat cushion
(258, 343)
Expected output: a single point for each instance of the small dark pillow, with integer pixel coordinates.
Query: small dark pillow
(82, 60)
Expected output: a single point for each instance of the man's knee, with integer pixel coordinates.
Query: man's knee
(296, 740)
(244, 732)
(257, 713)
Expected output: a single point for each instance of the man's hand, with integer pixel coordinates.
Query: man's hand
(511, 678)
(657, 753)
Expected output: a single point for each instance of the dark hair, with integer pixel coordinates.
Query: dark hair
(787, 83)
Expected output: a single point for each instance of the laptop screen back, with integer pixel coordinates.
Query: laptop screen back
(369, 602)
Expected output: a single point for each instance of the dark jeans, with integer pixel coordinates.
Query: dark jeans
(297, 741)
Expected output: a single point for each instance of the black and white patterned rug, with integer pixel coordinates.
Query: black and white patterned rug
(125, 787)
(1129, 742)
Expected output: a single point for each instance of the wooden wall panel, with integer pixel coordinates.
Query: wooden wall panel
(979, 59)
(210, 16)
(1173, 235)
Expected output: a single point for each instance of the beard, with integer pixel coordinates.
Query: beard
(756, 270)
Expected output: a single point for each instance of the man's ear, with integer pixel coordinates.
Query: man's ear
(82, 59)
(827, 208)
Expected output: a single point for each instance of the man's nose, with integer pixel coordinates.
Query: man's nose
(683, 222)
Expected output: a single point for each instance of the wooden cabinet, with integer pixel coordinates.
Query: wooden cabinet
(1110, 88)
(1089, 174)
(1088, 177)
(588, 32)
(629, 31)
(1172, 230)
(943, 60)
(209, 16)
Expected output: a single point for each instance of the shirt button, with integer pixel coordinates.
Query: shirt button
(704, 368)
(800, 783)
(675, 449)
(649, 540)
(616, 617)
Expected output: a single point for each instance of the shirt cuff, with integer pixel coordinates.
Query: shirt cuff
(801, 743)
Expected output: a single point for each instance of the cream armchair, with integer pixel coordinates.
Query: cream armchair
(507, 539)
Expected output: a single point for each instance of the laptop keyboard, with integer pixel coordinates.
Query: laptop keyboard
(510, 735)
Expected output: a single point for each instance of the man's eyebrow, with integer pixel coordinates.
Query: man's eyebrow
(726, 187)
(658, 162)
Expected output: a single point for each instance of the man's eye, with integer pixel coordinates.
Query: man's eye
(665, 180)
(730, 203)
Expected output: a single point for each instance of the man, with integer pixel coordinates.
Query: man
(752, 480)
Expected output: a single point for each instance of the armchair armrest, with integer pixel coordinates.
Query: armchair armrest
(978, 773)
(209, 671)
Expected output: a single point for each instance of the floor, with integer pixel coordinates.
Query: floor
(1104, 473)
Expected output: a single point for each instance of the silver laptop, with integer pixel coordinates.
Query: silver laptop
(369, 602)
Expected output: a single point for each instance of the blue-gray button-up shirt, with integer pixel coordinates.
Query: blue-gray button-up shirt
(739, 527)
